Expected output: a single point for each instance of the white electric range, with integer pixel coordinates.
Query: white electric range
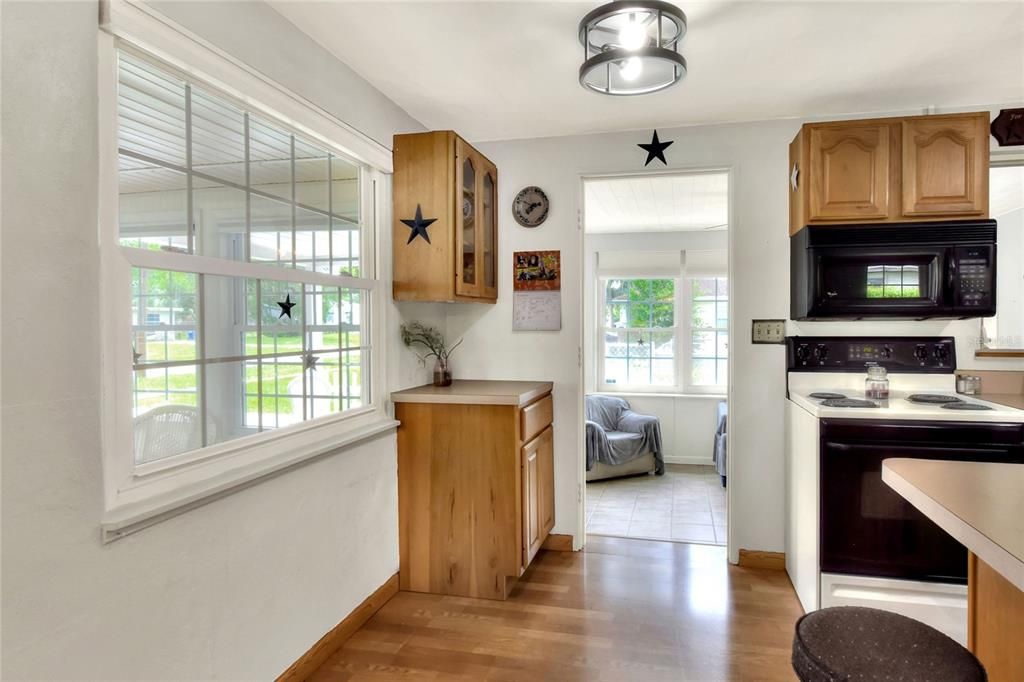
(851, 540)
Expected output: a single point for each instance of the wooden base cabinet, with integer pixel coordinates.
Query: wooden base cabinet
(475, 485)
(898, 170)
(995, 621)
(456, 186)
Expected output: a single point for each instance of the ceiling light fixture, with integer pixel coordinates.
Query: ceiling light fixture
(632, 48)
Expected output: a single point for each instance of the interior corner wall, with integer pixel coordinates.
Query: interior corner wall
(236, 589)
(757, 153)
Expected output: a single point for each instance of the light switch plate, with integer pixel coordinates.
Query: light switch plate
(768, 331)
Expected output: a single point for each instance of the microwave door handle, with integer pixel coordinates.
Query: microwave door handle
(951, 273)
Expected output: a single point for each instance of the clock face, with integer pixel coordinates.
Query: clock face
(530, 207)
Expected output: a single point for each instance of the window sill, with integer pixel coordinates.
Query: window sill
(126, 518)
(660, 394)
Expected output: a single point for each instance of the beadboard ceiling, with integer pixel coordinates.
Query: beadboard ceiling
(501, 70)
(657, 203)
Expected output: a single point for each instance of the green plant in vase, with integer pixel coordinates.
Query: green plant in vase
(417, 333)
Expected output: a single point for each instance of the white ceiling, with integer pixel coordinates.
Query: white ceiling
(501, 70)
(657, 203)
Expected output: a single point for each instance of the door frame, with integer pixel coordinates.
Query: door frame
(579, 538)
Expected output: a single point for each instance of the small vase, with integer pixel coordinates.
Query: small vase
(442, 373)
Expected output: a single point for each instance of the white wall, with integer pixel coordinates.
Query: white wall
(688, 423)
(759, 258)
(235, 589)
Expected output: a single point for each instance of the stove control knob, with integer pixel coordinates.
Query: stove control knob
(941, 353)
(803, 352)
(821, 352)
(886, 352)
(921, 352)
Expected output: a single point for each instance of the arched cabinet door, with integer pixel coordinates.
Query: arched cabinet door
(850, 172)
(489, 230)
(467, 163)
(945, 169)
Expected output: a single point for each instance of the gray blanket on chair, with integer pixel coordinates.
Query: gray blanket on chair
(617, 434)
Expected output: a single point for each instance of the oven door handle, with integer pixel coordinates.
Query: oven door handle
(974, 453)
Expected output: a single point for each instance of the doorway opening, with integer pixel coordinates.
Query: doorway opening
(656, 355)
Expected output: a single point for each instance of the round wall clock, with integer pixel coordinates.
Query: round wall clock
(530, 207)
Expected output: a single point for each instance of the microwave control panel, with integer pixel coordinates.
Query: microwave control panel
(975, 276)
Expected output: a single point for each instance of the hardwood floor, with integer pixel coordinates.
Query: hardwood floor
(623, 609)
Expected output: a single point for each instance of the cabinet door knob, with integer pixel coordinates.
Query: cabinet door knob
(794, 176)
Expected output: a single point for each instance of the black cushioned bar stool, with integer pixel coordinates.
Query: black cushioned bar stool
(855, 643)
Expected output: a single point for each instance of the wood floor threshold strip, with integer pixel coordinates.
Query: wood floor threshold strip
(753, 558)
(558, 543)
(330, 643)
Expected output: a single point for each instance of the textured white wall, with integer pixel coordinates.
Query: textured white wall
(236, 589)
(759, 253)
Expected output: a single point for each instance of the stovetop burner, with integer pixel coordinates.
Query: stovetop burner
(847, 402)
(825, 395)
(965, 406)
(933, 399)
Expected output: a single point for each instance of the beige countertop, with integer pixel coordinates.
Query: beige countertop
(472, 392)
(981, 504)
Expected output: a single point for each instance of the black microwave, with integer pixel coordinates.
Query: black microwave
(895, 272)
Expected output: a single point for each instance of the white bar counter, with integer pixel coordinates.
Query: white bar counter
(981, 504)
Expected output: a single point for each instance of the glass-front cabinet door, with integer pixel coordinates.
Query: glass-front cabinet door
(489, 231)
(467, 223)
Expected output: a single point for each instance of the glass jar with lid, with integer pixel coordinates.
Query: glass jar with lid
(876, 386)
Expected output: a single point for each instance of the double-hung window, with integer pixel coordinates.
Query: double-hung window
(663, 334)
(249, 276)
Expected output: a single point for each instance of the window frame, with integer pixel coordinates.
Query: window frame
(683, 331)
(690, 387)
(676, 330)
(138, 495)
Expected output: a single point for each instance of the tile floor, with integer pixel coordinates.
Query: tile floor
(687, 504)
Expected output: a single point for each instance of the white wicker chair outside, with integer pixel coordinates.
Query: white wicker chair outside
(165, 431)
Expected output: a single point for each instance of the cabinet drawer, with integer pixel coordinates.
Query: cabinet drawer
(535, 417)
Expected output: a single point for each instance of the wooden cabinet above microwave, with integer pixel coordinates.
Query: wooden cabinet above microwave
(449, 181)
(908, 169)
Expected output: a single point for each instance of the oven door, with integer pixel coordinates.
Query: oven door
(869, 529)
(882, 281)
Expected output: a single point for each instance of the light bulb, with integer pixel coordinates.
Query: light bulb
(630, 68)
(633, 36)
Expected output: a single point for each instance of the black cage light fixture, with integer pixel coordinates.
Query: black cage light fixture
(632, 48)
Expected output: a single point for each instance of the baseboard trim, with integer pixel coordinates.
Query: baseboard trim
(318, 654)
(558, 543)
(703, 461)
(754, 558)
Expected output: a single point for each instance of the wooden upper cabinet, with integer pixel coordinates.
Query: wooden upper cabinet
(849, 172)
(457, 186)
(919, 168)
(945, 165)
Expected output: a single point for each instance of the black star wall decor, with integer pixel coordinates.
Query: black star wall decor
(286, 307)
(419, 225)
(655, 149)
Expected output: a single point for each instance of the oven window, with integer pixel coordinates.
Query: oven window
(894, 281)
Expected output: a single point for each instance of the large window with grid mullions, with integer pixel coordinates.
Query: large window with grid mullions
(664, 334)
(249, 290)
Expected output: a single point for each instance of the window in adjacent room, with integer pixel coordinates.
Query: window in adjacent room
(708, 332)
(639, 332)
